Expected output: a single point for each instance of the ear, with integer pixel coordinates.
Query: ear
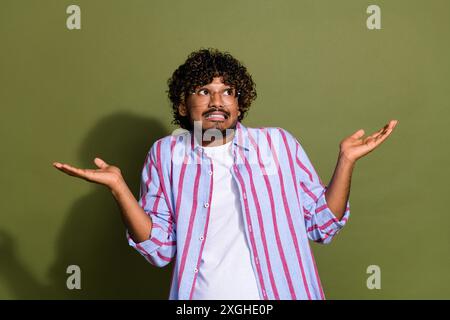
(182, 110)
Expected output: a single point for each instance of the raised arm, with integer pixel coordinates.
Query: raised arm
(134, 217)
(352, 148)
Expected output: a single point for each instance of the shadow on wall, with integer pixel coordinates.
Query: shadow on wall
(93, 236)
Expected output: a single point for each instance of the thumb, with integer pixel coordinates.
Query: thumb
(358, 134)
(100, 163)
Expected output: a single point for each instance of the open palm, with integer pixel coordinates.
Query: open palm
(107, 175)
(357, 146)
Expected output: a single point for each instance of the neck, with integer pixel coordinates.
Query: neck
(215, 138)
(220, 141)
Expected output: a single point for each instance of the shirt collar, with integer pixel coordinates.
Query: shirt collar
(241, 136)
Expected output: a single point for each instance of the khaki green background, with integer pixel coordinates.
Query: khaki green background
(71, 95)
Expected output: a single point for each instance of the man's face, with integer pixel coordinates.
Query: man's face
(214, 104)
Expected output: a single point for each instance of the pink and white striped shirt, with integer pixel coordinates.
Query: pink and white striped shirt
(282, 199)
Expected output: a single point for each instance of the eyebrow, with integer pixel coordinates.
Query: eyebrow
(205, 87)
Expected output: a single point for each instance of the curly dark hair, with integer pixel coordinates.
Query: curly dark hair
(199, 69)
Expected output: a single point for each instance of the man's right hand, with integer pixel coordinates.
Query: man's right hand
(134, 217)
(107, 175)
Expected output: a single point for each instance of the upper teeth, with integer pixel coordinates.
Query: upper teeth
(215, 115)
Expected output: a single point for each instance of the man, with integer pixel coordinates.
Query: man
(233, 206)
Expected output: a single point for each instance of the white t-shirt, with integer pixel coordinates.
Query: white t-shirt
(225, 270)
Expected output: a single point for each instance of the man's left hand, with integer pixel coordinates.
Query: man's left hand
(356, 146)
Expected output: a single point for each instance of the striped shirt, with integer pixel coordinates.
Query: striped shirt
(282, 199)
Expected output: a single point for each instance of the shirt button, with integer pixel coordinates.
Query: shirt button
(201, 238)
(195, 270)
(206, 205)
(210, 173)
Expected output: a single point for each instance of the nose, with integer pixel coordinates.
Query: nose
(216, 99)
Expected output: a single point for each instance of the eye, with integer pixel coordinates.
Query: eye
(229, 92)
(202, 92)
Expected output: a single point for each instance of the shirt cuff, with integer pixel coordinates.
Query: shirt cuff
(147, 247)
(330, 223)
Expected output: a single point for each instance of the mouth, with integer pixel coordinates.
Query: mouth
(216, 116)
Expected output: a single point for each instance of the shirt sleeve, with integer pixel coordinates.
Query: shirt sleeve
(160, 248)
(320, 222)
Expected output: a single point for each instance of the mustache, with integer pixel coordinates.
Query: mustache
(227, 114)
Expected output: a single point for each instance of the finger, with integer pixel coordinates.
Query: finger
(67, 171)
(390, 125)
(72, 171)
(358, 134)
(100, 163)
(377, 133)
(382, 137)
(389, 128)
(57, 165)
(393, 124)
